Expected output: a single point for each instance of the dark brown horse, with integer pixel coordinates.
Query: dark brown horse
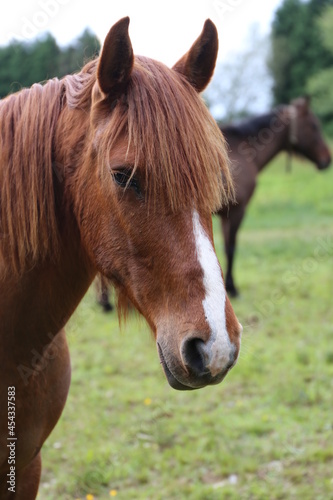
(114, 170)
(253, 144)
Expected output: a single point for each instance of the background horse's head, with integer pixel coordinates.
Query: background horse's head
(305, 133)
(154, 171)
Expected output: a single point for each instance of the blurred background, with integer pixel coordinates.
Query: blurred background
(270, 52)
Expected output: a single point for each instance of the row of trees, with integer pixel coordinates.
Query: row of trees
(297, 59)
(301, 58)
(22, 64)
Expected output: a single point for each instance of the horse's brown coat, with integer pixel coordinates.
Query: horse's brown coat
(64, 215)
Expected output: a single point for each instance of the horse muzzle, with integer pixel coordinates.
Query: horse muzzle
(322, 165)
(323, 158)
(198, 363)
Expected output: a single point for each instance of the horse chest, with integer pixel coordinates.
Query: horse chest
(41, 389)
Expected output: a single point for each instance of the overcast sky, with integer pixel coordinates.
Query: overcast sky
(161, 30)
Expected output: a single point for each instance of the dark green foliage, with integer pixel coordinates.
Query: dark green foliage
(319, 86)
(22, 64)
(298, 52)
(76, 55)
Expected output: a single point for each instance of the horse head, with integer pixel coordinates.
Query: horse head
(305, 133)
(155, 170)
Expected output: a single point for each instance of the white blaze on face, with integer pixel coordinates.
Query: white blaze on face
(218, 349)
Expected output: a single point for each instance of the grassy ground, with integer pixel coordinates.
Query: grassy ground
(267, 431)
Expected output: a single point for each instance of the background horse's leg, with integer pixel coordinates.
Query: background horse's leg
(103, 293)
(230, 226)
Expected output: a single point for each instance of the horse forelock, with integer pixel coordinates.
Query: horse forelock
(178, 148)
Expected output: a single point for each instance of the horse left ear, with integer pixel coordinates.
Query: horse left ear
(116, 60)
(302, 103)
(307, 100)
(198, 64)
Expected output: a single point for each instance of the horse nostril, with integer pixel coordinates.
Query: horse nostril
(325, 163)
(194, 356)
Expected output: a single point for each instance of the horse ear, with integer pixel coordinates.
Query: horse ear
(198, 64)
(307, 101)
(302, 103)
(116, 60)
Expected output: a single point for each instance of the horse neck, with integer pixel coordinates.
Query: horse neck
(263, 140)
(38, 305)
(71, 275)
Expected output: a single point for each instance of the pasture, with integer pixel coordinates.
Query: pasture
(267, 430)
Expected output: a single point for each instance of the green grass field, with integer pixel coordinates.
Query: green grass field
(266, 432)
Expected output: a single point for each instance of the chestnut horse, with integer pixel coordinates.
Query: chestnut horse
(114, 170)
(253, 144)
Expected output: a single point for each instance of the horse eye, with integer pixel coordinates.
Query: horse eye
(124, 179)
(121, 178)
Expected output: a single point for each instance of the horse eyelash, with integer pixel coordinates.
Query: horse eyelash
(125, 179)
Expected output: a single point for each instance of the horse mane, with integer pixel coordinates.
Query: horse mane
(28, 226)
(178, 147)
(249, 127)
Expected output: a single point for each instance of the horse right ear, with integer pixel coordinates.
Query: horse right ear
(116, 60)
(198, 64)
(302, 104)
